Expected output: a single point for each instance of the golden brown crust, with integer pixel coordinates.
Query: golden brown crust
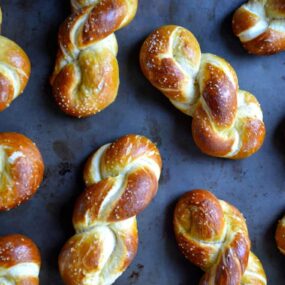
(163, 73)
(207, 138)
(126, 150)
(86, 75)
(253, 134)
(243, 20)
(280, 235)
(15, 72)
(18, 250)
(260, 25)
(81, 255)
(222, 108)
(268, 43)
(227, 122)
(213, 235)
(21, 168)
(122, 179)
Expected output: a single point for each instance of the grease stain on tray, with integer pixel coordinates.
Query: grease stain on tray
(153, 129)
(82, 126)
(134, 276)
(65, 168)
(62, 150)
(165, 176)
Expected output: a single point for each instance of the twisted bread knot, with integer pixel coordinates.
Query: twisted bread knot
(260, 26)
(122, 179)
(20, 261)
(227, 122)
(280, 235)
(21, 170)
(86, 75)
(213, 235)
(15, 69)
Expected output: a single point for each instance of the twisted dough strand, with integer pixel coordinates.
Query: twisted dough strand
(122, 179)
(227, 122)
(260, 26)
(213, 235)
(86, 75)
(15, 69)
(20, 261)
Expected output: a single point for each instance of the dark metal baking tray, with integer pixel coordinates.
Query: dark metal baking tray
(255, 185)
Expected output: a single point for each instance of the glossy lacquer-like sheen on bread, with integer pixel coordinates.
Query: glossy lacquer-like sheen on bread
(20, 261)
(227, 122)
(21, 170)
(213, 235)
(122, 179)
(260, 26)
(86, 75)
(15, 69)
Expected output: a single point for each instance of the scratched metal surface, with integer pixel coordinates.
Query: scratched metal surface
(255, 185)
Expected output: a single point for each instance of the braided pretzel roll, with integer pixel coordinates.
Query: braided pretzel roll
(20, 261)
(280, 235)
(15, 69)
(260, 26)
(227, 122)
(122, 179)
(21, 170)
(86, 75)
(213, 235)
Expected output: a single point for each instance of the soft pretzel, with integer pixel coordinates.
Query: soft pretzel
(86, 75)
(20, 261)
(260, 26)
(280, 235)
(15, 69)
(227, 122)
(213, 235)
(21, 170)
(122, 179)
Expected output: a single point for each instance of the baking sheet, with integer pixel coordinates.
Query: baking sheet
(255, 185)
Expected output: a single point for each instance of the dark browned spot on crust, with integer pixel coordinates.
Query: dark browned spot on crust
(104, 19)
(220, 94)
(140, 188)
(207, 139)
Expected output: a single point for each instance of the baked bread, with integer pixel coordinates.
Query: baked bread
(86, 76)
(280, 235)
(213, 235)
(21, 170)
(15, 69)
(122, 179)
(227, 122)
(260, 26)
(20, 261)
